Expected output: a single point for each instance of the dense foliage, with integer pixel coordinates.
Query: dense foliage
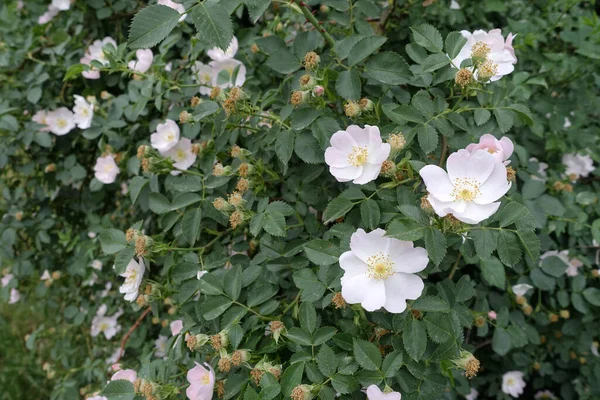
(195, 198)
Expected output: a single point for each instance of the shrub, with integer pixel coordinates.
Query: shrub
(299, 199)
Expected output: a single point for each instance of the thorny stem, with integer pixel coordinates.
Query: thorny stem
(311, 18)
(130, 331)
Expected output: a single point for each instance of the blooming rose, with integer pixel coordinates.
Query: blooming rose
(175, 6)
(144, 61)
(224, 70)
(497, 56)
(96, 53)
(60, 121)
(96, 264)
(379, 271)
(160, 345)
(181, 154)
(219, 55)
(45, 276)
(578, 165)
(62, 5)
(40, 118)
(14, 296)
(84, 112)
(374, 393)
(166, 136)
(501, 149)
(6, 279)
(542, 175)
(125, 374)
(544, 395)
(97, 398)
(101, 323)
(473, 394)
(513, 383)
(48, 15)
(106, 170)
(572, 264)
(521, 289)
(176, 327)
(202, 382)
(204, 75)
(134, 273)
(356, 154)
(469, 189)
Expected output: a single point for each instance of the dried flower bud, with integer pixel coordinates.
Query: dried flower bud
(425, 204)
(236, 151)
(338, 301)
(311, 61)
(220, 385)
(218, 169)
(468, 362)
(185, 117)
(388, 168)
(239, 356)
(553, 317)
(244, 170)
(537, 366)
(256, 374)
(236, 219)
(302, 392)
(229, 106)
(307, 82)
(221, 204)
(242, 185)
(479, 321)
(352, 109)
(195, 101)
(397, 141)
(527, 309)
(254, 48)
(565, 314)
(237, 94)
(19, 215)
(142, 151)
(558, 186)
(104, 95)
(463, 77)
(225, 364)
(195, 342)
(141, 300)
(50, 168)
(215, 93)
(366, 104)
(56, 275)
(236, 199)
(511, 174)
(299, 97)
(196, 148)
(521, 300)
(487, 70)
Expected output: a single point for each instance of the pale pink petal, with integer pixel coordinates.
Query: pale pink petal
(369, 173)
(437, 182)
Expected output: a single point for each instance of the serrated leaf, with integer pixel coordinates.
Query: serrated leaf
(509, 248)
(292, 377)
(392, 363)
(112, 241)
(308, 317)
(455, 41)
(428, 138)
(190, 224)
(504, 118)
(493, 272)
(321, 252)
(414, 338)
(370, 213)
(337, 208)
(284, 146)
(404, 229)
(435, 243)
(151, 25)
(364, 47)
(389, 68)
(213, 23)
(367, 354)
(283, 61)
(431, 303)
(482, 116)
(427, 36)
(348, 85)
(274, 223)
(308, 149)
(485, 242)
(327, 361)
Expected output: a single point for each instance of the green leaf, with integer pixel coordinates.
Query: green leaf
(205, 109)
(291, 378)
(213, 23)
(439, 327)
(402, 114)
(298, 335)
(370, 213)
(327, 361)
(533, 189)
(433, 62)
(303, 117)
(428, 137)
(284, 146)
(308, 317)
(119, 390)
(501, 342)
(135, 187)
(428, 37)
(414, 213)
(389, 68)
(158, 203)
(455, 41)
(151, 25)
(405, 229)
(321, 252)
(541, 280)
(283, 61)
(312, 288)
(435, 243)
(414, 338)
(323, 334)
(215, 306)
(482, 116)
(504, 118)
(531, 244)
(554, 266)
(392, 363)
(233, 282)
(485, 242)
(365, 47)
(431, 303)
(274, 223)
(337, 208)
(509, 248)
(516, 213)
(308, 149)
(112, 240)
(190, 225)
(210, 285)
(74, 72)
(348, 84)
(493, 272)
(367, 354)
(592, 295)
(344, 384)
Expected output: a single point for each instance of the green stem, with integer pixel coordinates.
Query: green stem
(311, 18)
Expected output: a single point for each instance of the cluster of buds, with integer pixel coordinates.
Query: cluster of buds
(195, 342)
(468, 363)
(143, 244)
(234, 206)
(232, 100)
(264, 366)
(152, 161)
(354, 109)
(560, 187)
(146, 388)
(308, 82)
(302, 392)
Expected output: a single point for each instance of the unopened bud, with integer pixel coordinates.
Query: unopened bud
(19, 215)
(298, 97)
(221, 204)
(195, 101)
(527, 309)
(366, 104)
(56, 275)
(254, 48)
(218, 169)
(553, 317)
(307, 82)
(195, 342)
(239, 356)
(185, 117)
(479, 321)
(565, 314)
(50, 168)
(104, 95)
(311, 61)
(352, 109)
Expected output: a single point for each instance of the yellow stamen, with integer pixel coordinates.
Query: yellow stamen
(359, 156)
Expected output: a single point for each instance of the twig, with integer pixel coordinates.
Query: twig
(311, 18)
(444, 151)
(455, 266)
(130, 331)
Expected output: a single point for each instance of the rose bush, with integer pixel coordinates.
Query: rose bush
(278, 199)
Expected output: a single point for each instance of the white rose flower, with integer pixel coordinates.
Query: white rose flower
(60, 121)
(578, 165)
(572, 264)
(374, 393)
(202, 382)
(542, 175)
(204, 75)
(45, 276)
(224, 72)
(134, 273)
(200, 274)
(469, 189)
(181, 154)
(160, 346)
(106, 169)
(219, 55)
(380, 271)
(521, 289)
(166, 136)
(40, 118)
(175, 6)
(545, 395)
(356, 154)
(84, 112)
(97, 265)
(513, 383)
(106, 325)
(473, 394)
(15, 296)
(501, 149)
(7, 278)
(62, 5)
(125, 375)
(48, 15)
(93, 73)
(594, 349)
(176, 327)
(96, 53)
(143, 62)
(499, 55)
(454, 5)
(567, 123)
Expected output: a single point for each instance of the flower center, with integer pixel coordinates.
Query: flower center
(61, 122)
(480, 50)
(358, 156)
(488, 70)
(131, 278)
(103, 326)
(85, 112)
(170, 137)
(380, 266)
(511, 381)
(205, 379)
(491, 151)
(465, 189)
(180, 155)
(205, 78)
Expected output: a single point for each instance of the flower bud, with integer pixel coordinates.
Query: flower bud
(311, 61)
(19, 215)
(142, 245)
(240, 356)
(307, 82)
(56, 275)
(50, 168)
(324, 9)
(219, 341)
(352, 109)
(143, 151)
(388, 169)
(553, 317)
(236, 199)
(299, 97)
(195, 342)
(275, 328)
(527, 309)
(91, 99)
(195, 101)
(236, 219)
(318, 91)
(426, 205)
(463, 77)
(254, 48)
(302, 392)
(479, 321)
(492, 315)
(338, 301)
(511, 174)
(468, 362)
(242, 185)
(104, 95)
(521, 300)
(565, 314)
(224, 363)
(216, 94)
(185, 117)
(221, 204)
(366, 104)
(237, 94)
(244, 170)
